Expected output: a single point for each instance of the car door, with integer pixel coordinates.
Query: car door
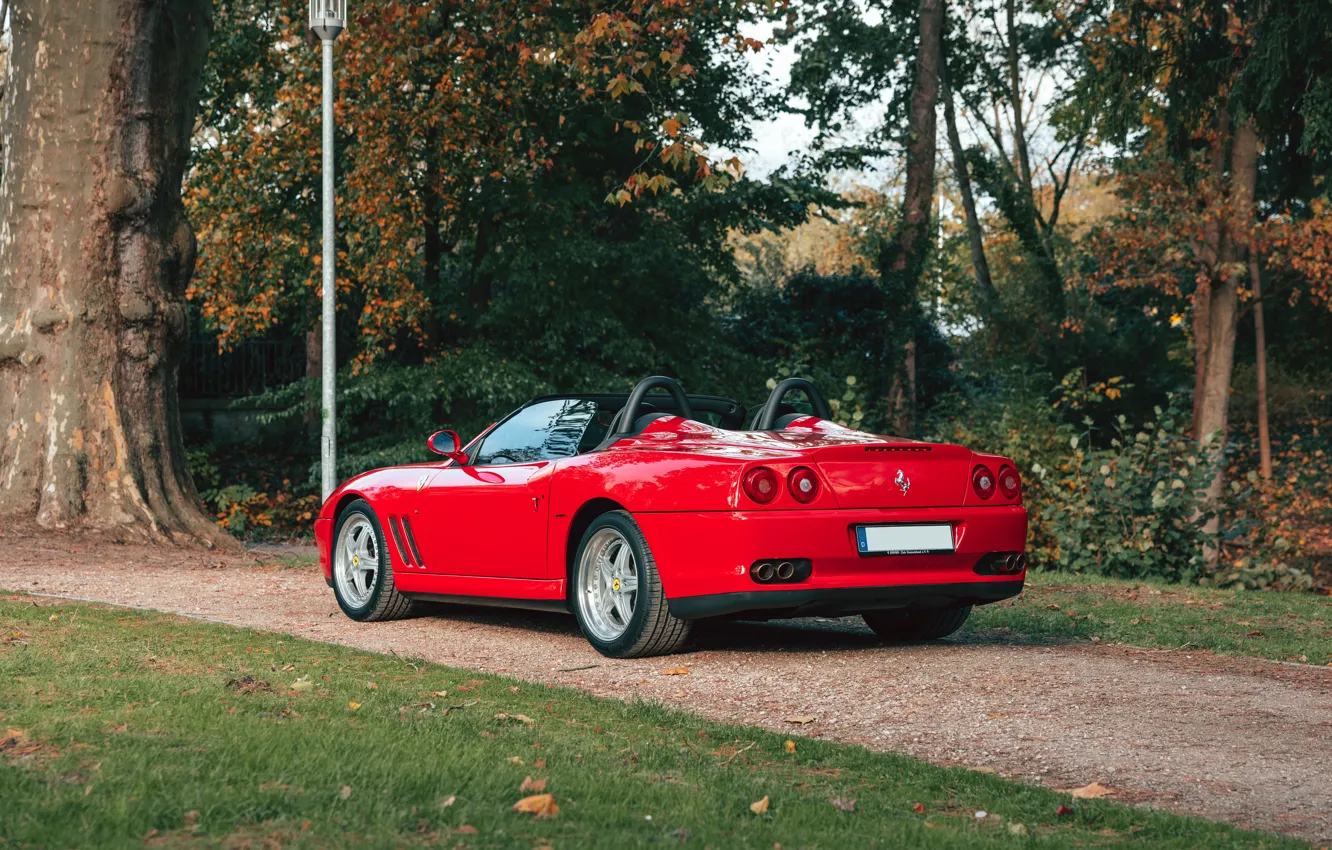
(489, 517)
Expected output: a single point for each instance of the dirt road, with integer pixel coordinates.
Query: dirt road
(1243, 741)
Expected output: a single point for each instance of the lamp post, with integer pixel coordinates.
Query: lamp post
(327, 19)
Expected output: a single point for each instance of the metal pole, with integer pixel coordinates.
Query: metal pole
(328, 457)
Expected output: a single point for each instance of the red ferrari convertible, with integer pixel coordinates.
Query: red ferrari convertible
(644, 513)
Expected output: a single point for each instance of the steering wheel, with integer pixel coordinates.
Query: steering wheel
(633, 408)
(767, 420)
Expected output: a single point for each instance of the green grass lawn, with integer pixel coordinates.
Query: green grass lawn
(129, 729)
(1265, 624)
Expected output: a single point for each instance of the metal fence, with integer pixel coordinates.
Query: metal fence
(250, 367)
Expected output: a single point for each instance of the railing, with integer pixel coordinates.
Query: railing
(250, 367)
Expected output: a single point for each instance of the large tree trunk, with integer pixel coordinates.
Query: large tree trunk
(95, 253)
(904, 257)
(1222, 314)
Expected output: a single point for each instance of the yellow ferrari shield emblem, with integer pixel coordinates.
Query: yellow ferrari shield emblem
(615, 585)
(356, 560)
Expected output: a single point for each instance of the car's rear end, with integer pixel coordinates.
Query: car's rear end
(849, 527)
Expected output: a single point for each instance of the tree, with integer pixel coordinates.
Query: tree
(95, 254)
(904, 257)
(1219, 92)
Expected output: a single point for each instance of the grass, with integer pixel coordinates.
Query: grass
(132, 729)
(1264, 624)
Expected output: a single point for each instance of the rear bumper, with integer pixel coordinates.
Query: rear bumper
(704, 559)
(836, 602)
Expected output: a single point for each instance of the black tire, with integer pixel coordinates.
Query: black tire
(651, 629)
(916, 626)
(384, 602)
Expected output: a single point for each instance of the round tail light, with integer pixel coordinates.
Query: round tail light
(760, 484)
(803, 484)
(1010, 484)
(982, 481)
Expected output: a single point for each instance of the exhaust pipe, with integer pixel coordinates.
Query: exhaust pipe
(785, 570)
(764, 572)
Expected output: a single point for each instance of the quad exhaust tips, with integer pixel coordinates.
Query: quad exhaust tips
(781, 570)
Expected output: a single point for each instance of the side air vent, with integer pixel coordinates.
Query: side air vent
(395, 528)
(411, 541)
(899, 448)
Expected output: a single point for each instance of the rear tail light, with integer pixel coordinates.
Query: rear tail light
(1010, 484)
(760, 484)
(982, 481)
(803, 484)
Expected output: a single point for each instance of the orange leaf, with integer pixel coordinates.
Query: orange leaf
(541, 805)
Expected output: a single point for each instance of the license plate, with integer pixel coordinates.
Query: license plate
(904, 539)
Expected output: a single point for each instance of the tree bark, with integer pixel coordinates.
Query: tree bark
(904, 257)
(314, 373)
(1015, 96)
(975, 238)
(95, 254)
(1222, 306)
(1260, 347)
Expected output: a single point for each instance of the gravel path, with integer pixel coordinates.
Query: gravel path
(1243, 741)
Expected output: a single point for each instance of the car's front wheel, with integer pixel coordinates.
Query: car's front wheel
(616, 592)
(916, 626)
(362, 573)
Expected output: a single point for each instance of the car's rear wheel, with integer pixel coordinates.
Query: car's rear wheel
(362, 573)
(916, 626)
(616, 592)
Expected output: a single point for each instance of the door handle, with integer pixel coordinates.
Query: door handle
(536, 503)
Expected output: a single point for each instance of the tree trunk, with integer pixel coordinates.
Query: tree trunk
(1015, 96)
(975, 238)
(1209, 257)
(1260, 347)
(314, 373)
(1222, 306)
(904, 257)
(95, 254)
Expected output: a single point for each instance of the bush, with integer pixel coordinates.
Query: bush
(1116, 499)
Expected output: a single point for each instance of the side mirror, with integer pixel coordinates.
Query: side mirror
(447, 443)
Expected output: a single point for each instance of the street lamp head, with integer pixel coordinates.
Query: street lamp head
(328, 18)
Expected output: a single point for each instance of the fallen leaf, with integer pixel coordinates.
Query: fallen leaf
(1017, 829)
(802, 719)
(515, 760)
(919, 808)
(445, 802)
(676, 671)
(1063, 811)
(1256, 633)
(522, 718)
(371, 686)
(535, 785)
(302, 684)
(345, 792)
(467, 829)
(540, 764)
(842, 804)
(789, 746)
(760, 806)
(439, 693)
(541, 805)
(1091, 791)
(353, 705)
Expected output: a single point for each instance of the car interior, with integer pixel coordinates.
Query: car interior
(555, 426)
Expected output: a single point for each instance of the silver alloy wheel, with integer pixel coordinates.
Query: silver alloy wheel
(357, 560)
(607, 584)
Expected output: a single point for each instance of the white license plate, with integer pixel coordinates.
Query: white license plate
(904, 539)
